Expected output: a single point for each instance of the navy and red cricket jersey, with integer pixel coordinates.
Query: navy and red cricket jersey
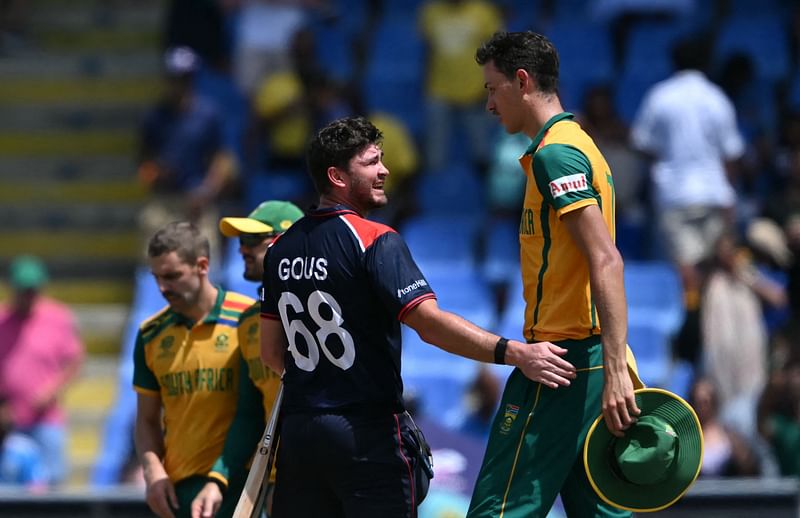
(341, 285)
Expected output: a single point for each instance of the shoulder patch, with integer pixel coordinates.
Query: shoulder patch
(153, 325)
(365, 231)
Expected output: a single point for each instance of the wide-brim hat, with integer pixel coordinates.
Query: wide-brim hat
(657, 460)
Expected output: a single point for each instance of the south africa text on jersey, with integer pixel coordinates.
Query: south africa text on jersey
(188, 382)
(303, 268)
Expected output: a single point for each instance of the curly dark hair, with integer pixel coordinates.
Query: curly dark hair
(336, 144)
(527, 50)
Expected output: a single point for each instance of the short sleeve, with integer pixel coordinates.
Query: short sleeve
(396, 277)
(564, 176)
(143, 377)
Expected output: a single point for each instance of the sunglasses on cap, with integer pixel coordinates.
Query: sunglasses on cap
(251, 240)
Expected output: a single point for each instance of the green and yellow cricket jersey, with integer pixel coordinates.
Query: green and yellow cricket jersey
(257, 392)
(264, 378)
(194, 369)
(565, 171)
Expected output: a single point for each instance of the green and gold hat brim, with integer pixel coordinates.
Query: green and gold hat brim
(627, 495)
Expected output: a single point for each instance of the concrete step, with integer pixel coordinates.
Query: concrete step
(87, 402)
(97, 167)
(78, 91)
(35, 216)
(70, 243)
(42, 65)
(94, 290)
(35, 117)
(79, 15)
(119, 37)
(34, 193)
(72, 143)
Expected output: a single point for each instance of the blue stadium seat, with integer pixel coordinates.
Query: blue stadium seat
(631, 89)
(763, 36)
(439, 378)
(652, 349)
(468, 295)
(512, 319)
(442, 243)
(276, 185)
(586, 58)
(648, 47)
(334, 49)
(501, 257)
(458, 189)
(393, 74)
(654, 294)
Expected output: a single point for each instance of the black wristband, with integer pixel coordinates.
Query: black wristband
(500, 351)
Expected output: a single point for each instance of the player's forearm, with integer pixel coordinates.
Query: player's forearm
(273, 344)
(609, 295)
(451, 332)
(149, 444)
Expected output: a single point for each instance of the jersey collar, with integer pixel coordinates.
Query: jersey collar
(336, 210)
(212, 316)
(539, 136)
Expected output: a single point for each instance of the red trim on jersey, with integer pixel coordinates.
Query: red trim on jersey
(270, 316)
(368, 231)
(322, 214)
(414, 303)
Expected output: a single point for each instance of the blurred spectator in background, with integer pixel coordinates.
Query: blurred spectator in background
(40, 354)
(482, 398)
(401, 157)
(183, 157)
(199, 25)
(734, 331)
(263, 39)
(506, 184)
(452, 29)
(21, 459)
(13, 25)
(600, 119)
(726, 452)
(687, 126)
(779, 414)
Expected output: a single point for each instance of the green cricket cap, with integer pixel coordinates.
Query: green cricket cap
(269, 217)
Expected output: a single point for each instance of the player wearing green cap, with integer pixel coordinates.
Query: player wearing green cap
(257, 384)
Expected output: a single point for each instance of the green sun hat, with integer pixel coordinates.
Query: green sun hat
(657, 460)
(269, 217)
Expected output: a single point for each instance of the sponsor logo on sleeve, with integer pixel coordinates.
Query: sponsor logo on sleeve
(567, 184)
(411, 287)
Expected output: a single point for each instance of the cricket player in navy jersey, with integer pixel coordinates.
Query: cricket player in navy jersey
(337, 288)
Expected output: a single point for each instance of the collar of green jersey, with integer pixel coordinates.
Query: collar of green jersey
(539, 136)
(212, 316)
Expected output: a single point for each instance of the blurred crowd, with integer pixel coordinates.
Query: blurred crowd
(709, 184)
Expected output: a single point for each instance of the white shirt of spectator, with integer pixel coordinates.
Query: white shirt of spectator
(689, 124)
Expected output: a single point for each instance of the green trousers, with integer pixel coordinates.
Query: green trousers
(535, 448)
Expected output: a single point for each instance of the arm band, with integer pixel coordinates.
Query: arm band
(500, 351)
